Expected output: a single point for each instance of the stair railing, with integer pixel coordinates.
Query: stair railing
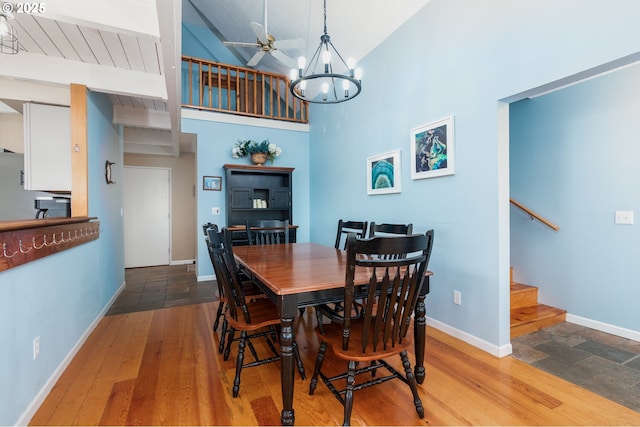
(535, 216)
(212, 86)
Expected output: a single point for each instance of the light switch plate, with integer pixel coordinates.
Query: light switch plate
(624, 217)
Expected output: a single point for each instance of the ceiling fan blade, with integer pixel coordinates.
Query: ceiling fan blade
(289, 44)
(282, 57)
(241, 44)
(260, 32)
(256, 58)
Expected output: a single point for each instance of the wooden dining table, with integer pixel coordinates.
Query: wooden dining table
(298, 275)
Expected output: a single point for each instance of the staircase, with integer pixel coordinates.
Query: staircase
(527, 315)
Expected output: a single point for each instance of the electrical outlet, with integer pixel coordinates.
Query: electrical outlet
(457, 297)
(36, 348)
(215, 211)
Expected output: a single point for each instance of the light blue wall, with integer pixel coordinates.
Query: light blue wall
(58, 297)
(456, 57)
(574, 159)
(215, 141)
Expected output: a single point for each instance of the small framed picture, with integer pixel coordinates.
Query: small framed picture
(383, 173)
(432, 149)
(212, 183)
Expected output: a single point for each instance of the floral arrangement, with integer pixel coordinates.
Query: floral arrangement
(247, 147)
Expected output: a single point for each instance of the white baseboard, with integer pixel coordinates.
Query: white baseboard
(502, 351)
(206, 278)
(30, 411)
(183, 262)
(604, 327)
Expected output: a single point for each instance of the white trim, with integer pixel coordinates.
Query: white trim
(505, 350)
(183, 262)
(42, 394)
(212, 116)
(206, 278)
(604, 327)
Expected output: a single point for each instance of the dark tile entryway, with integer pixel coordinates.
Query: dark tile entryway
(602, 363)
(151, 288)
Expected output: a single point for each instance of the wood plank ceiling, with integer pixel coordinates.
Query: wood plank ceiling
(56, 49)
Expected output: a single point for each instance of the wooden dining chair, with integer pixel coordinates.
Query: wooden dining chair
(250, 290)
(346, 227)
(253, 318)
(267, 231)
(392, 292)
(334, 310)
(213, 229)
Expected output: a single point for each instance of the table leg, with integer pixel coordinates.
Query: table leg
(419, 331)
(287, 315)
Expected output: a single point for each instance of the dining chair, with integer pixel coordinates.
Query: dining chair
(334, 311)
(346, 227)
(253, 318)
(267, 231)
(213, 228)
(214, 241)
(392, 292)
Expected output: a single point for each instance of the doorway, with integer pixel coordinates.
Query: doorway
(147, 225)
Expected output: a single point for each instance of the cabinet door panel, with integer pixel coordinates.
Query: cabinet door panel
(47, 155)
(279, 198)
(241, 198)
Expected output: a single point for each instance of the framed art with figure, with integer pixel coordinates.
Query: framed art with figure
(432, 149)
(212, 183)
(383, 173)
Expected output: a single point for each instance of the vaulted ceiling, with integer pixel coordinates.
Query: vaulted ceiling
(130, 50)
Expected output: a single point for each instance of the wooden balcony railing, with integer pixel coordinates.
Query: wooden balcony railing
(209, 85)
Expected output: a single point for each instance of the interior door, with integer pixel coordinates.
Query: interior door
(146, 216)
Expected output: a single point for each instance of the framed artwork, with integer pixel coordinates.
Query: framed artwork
(213, 183)
(383, 173)
(432, 149)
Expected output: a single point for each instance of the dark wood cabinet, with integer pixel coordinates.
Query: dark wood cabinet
(257, 192)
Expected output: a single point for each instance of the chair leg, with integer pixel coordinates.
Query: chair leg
(411, 379)
(239, 362)
(223, 335)
(348, 396)
(219, 314)
(296, 354)
(227, 349)
(319, 319)
(314, 379)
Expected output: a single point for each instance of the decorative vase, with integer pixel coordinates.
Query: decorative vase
(258, 159)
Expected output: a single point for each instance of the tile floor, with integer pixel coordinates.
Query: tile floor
(603, 363)
(162, 286)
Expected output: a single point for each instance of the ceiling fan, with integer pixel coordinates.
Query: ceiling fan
(267, 43)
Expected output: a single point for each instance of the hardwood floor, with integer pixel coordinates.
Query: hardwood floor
(161, 367)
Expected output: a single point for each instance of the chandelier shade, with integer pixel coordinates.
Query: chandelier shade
(8, 37)
(327, 77)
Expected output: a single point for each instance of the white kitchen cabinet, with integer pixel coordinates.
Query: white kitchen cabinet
(47, 147)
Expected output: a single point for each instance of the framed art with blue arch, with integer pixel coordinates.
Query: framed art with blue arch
(432, 149)
(383, 173)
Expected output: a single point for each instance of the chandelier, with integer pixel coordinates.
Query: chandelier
(327, 82)
(8, 36)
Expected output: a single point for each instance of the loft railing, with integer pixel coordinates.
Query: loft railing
(208, 85)
(535, 216)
